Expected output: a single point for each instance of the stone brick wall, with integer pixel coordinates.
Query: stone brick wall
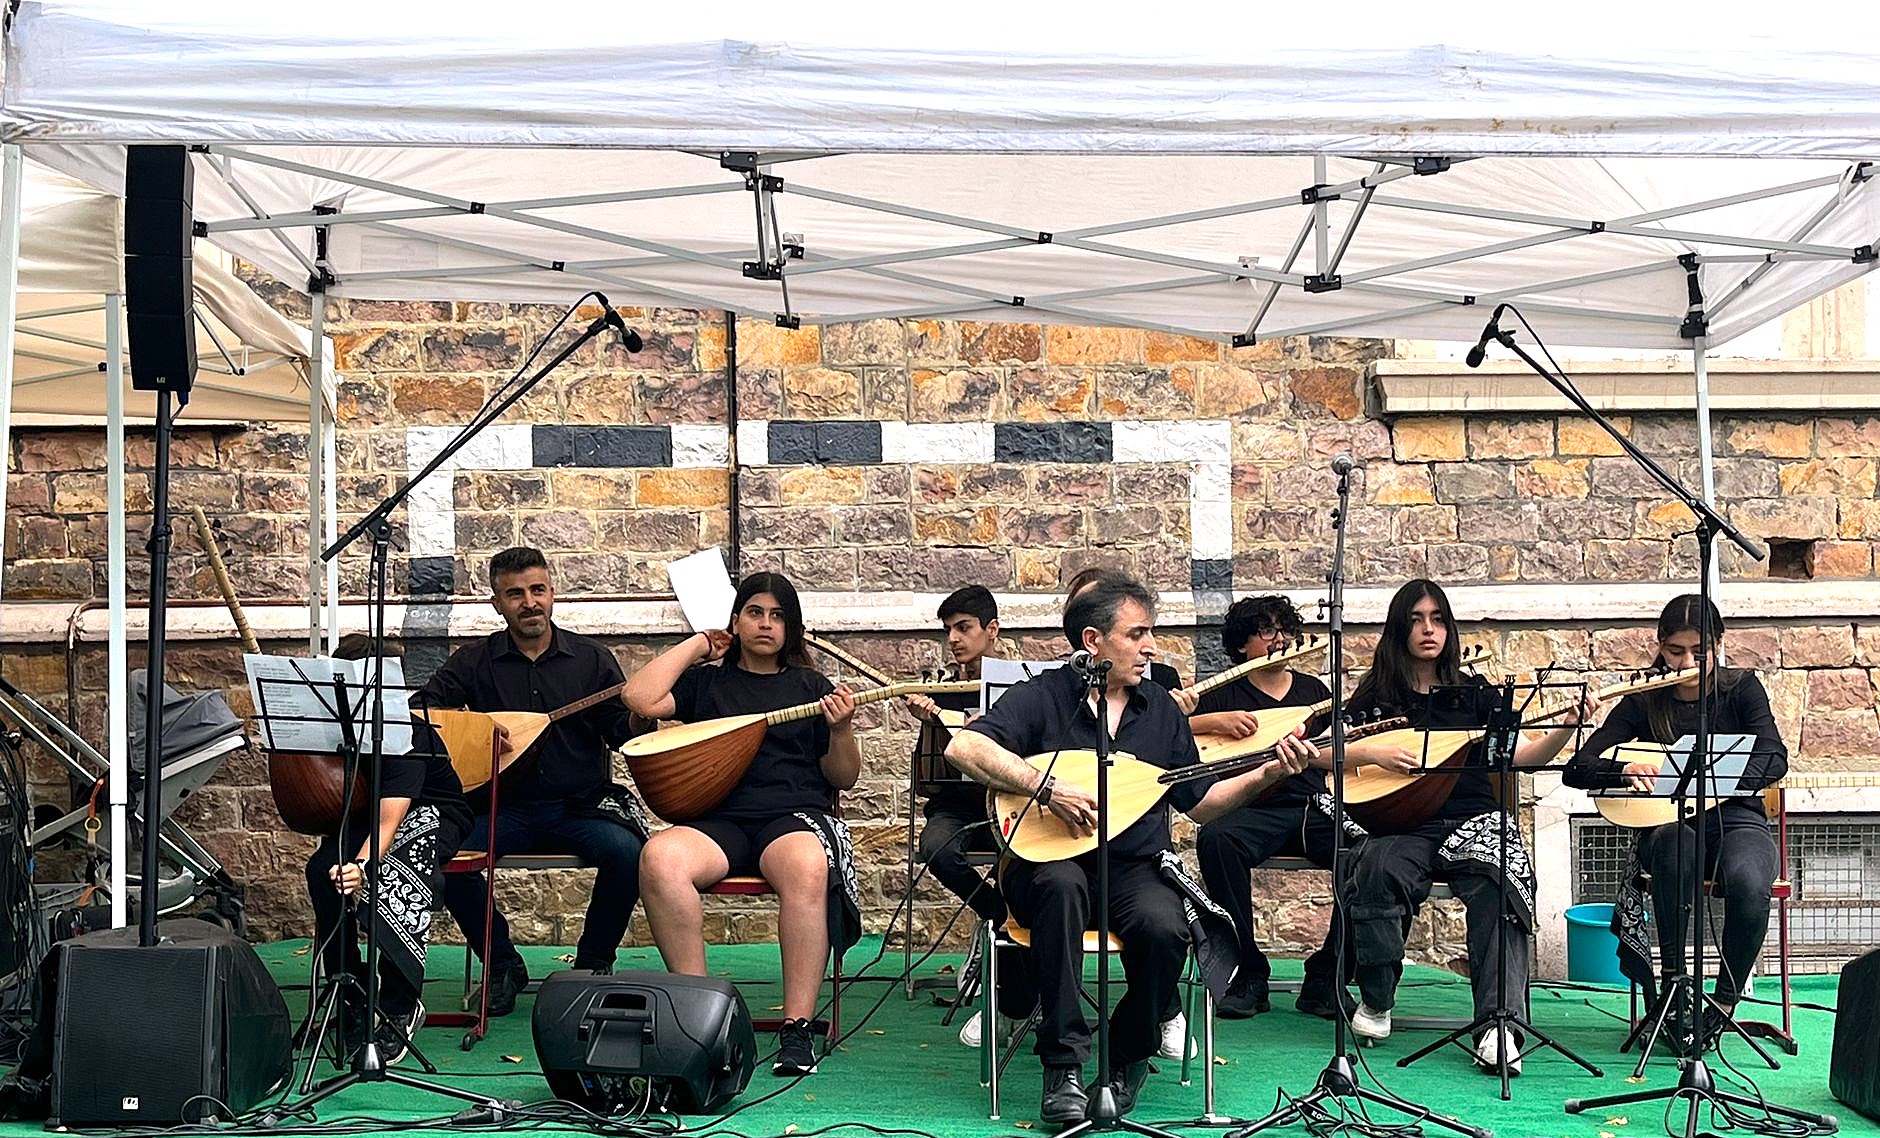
(921, 455)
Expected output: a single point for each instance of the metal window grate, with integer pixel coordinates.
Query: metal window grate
(1833, 864)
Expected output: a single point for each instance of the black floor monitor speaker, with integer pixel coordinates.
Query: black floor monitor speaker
(191, 1028)
(159, 267)
(598, 1036)
(1854, 1071)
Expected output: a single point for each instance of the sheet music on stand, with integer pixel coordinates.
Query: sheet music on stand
(1000, 676)
(1729, 763)
(301, 701)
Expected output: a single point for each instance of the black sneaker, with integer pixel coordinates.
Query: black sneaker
(1317, 1001)
(796, 1049)
(1126, 1084)
(1064, 1100)
(1243, 1002)
(394, 1034)
(505, 985)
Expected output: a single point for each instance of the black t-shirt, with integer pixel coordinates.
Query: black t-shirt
(786, 774)
(1742, 708)
(1051, 712)
(426, 777)
(1448, 709)
(1241, 695)
(573, 758)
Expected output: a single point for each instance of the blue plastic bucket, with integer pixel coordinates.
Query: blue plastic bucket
(1592, 949)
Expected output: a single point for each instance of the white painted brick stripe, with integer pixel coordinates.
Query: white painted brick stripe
(936, 442)
(1165, 440)
(430, 519)
(753, 442)
(1211, 511)
(701, 445)
(506, 446)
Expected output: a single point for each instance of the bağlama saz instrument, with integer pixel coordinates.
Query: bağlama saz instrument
(1394, 802)
(1636, 810)
(1136, 787)
(685, 770)
(1275, 723)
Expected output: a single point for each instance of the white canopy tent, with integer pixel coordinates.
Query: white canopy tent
(69, 367)
(1180, 172)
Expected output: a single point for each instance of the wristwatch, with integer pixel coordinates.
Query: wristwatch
(1045, 788)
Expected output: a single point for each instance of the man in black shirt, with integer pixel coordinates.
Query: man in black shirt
(1282, 821)
(1114, 621)
(560, 798)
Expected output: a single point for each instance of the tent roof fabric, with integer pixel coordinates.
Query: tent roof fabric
(252, 361)
(1211, 186)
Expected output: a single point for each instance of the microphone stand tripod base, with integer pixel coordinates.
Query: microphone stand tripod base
(1338, 1081)
(1696, 1085)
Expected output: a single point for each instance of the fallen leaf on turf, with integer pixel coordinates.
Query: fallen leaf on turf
(1635, 1078)
(790, 1129)
(1607, 1134)
(565, 958)
(776, 1007)
(876, 1031)
(512, 1058)
(809, 1098)
(1617, 1120)
(1024, 1125)
(923, 1047)
(1220, 1060)
(303, 951)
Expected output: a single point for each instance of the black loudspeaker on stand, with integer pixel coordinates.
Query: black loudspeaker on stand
(612, 1042)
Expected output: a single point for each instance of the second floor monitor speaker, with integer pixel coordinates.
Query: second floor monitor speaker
(159, 267)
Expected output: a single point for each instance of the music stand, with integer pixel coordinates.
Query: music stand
(1501, 736)
(1338, 1081)
(1728, 761)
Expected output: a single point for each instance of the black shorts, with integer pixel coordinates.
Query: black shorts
(744, 841)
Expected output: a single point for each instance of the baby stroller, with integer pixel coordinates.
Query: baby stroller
(199, 734)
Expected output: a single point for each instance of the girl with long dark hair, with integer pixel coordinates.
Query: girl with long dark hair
(1416, 673)
(776, 820)
(1740, 854)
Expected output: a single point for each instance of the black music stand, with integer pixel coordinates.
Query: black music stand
(1498, 744)
(343, 704)
(1651, 1027)
(1339, 1080)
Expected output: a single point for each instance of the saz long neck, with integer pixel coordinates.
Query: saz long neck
(1228, 768)
(872, 695)
(1305, 647)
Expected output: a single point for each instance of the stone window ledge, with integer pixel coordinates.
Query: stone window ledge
(908, 612)
(1446, 387)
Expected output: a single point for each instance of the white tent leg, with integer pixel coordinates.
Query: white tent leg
(1700, 370)
(12, 179)
(316, 472)
(330, 446)
(117, 707)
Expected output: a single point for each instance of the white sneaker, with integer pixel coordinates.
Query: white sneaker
(972, 1034)
(1489, 1050)
(1370, 1025)
(1174, 1033)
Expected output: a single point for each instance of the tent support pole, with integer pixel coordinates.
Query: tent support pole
(12, 182)
(316, 466)
(117, 646)
(1700, 372)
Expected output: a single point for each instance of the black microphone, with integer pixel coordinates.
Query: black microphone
(1342, 464)
(1080, 662)
(1480, 351)
(629, 339)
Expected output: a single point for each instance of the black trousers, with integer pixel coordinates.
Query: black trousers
(547, 827)
(397, 994)
(1056, 901)
(1231, 846)
(1391, 878)
(943, 848)
(1742, 861)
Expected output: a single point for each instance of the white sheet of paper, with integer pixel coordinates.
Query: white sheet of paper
(299, 705)
(1730, 755)
(1000, 675)
(704, 588)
